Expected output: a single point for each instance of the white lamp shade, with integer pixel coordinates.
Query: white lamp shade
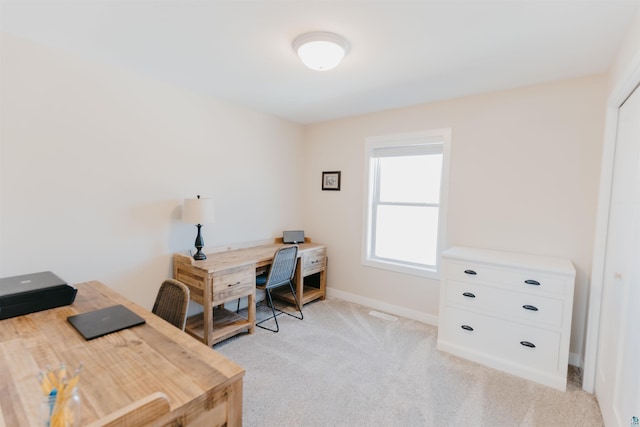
(198, 211)
(320, 51)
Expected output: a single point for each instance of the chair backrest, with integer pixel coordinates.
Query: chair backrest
(140, 413)
(172, 302)
(283, 267)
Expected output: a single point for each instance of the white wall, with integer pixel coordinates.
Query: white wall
(95, 162)
(524, 177)
(627, 57)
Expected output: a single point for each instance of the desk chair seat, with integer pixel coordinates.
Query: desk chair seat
(281, 273)
(172, 302)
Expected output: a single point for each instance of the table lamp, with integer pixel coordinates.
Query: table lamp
(198, 211)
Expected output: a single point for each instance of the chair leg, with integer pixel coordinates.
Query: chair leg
(274, 317)
(274, 309)
(295, 298)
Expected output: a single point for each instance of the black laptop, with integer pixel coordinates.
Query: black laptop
(104, 321)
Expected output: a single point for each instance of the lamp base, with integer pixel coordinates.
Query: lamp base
(199, 256)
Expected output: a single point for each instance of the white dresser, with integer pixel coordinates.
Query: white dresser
(509, 311)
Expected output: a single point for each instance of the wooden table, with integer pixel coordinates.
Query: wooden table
(227, 275)
(204, 388)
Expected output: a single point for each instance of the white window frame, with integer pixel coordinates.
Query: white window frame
(430, 137)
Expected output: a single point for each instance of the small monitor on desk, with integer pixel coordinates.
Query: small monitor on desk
(295, 237)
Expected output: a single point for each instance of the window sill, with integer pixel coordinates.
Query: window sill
(402, 268)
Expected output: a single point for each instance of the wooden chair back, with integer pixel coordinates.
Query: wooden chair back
(172, 303)
(140, 413)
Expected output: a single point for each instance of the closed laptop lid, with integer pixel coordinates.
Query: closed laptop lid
(29, 282)
(94, 324)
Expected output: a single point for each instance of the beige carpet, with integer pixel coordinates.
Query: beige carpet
(340, 366)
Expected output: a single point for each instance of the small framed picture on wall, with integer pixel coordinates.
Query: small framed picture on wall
(331, 180)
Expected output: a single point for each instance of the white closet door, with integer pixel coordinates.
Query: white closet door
(618, 365)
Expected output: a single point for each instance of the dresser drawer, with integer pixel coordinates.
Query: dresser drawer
(314, 261)
(509, 341)
(529, 346)
(518, 280)
(533, 309)
(233, 284)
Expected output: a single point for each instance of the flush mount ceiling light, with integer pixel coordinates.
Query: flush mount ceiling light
(320, 50)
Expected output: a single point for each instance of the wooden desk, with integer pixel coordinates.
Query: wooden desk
(204, 388)
(231, 274)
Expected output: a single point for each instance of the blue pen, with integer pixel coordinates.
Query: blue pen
(52, 401)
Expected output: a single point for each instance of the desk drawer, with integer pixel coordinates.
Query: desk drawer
(314, 261)
(232, 284)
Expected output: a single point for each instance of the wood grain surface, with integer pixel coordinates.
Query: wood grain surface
(202, 386)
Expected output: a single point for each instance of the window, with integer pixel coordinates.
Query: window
(406, 201)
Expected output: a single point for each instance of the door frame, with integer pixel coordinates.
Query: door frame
(625, 87)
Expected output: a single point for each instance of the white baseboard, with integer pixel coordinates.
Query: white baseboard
(384, 307)
(576, 360)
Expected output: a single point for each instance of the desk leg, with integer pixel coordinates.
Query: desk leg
(208, 313)
(299, 283)
(323, 283)
(251, 311)
(234, 417)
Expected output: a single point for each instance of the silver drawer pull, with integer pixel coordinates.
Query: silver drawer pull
(532, 282)
(471, 272)
(530, 307)
(233, 284)
(467, 327)
(469, 295)
(528, 344)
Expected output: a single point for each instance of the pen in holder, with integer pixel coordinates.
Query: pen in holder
(60, 405)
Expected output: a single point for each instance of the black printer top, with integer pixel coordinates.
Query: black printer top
(29, 282)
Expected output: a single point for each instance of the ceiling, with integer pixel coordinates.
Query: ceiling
(402, 52)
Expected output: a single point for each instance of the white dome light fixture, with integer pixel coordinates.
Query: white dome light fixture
(320, 50)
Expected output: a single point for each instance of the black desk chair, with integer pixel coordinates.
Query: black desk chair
(172, 302)
(281, 273)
